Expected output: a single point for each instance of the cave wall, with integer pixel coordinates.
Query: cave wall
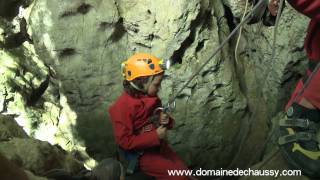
(61, 83)
(21, 153)
(85, 45)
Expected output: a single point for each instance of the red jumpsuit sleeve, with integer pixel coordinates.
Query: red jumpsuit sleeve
(122, 119)
(309, 8)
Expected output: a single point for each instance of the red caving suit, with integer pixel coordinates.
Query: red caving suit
(129, 115)
(310, 8)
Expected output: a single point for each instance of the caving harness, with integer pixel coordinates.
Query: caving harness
(297, 134)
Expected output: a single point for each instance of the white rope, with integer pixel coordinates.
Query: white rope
(240, 31)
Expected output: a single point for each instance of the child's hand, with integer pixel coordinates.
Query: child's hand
(162, 132)
(164, 118)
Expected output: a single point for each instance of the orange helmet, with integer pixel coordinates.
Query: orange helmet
(141, 64)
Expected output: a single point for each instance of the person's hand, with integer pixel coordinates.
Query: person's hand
(164, 118)
(273, 7)
(162, 132)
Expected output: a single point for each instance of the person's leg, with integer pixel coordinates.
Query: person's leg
(297, 131)
(310, 98)
(312, 93)
(157, 165)
(170, 154)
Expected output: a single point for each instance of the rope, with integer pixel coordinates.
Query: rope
(268, 70)
(305, 85)
(245, 19)
(255, 111)
(240, 31)
(273, 43)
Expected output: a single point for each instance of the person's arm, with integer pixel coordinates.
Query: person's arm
(122, 119)
(310, 8)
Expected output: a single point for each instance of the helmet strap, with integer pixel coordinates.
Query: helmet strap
(136, 87)
(145, 86)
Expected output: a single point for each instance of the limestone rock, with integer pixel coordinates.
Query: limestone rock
(61, 85)
(238, 7)
(10, 8)
(87, 57)
(31, 176)
(9, 128)
(38, 156)
(274, 161)
(276, 76)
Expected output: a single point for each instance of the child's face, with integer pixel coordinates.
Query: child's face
(155, 85)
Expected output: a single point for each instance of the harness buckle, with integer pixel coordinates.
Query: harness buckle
(146, 128)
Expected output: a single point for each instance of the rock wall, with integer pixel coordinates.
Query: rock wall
(85, 45)
(34, 156)
(65, 76)
(268, 82)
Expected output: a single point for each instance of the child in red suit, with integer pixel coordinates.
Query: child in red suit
(131, 118)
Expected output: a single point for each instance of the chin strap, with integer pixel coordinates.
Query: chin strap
(136, 87)
(145, 86)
